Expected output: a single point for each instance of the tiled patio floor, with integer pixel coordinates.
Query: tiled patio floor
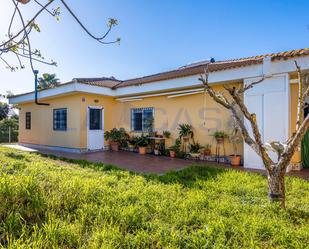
(143, 163)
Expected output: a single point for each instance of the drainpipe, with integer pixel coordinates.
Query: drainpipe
(36, 88)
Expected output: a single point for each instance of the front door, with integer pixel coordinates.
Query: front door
(95, 127)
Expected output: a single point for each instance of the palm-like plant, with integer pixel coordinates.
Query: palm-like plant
(48, 81)
(185, 131)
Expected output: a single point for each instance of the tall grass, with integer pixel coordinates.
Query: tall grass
(49, 203)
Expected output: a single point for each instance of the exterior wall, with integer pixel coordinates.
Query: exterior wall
(42, 132)
(269, 100)
(109, 105)
(293, 117)
(169, 112)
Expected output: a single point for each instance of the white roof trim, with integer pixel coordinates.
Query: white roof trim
(60, 90)
(269, 68)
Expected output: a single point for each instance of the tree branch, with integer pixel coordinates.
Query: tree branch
(245, 88)
(294, 143)
(251, 117)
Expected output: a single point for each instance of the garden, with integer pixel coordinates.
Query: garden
(60, 203)
(184, 146)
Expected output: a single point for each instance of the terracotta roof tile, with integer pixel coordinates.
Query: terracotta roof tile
(102, 81)
(216, 66)
(191, 69)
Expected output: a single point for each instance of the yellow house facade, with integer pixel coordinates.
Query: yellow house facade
(79, 112)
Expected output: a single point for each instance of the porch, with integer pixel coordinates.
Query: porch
(147, 164)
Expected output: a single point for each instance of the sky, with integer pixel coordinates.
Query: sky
(156, 35)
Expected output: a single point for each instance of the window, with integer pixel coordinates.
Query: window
(28, 120)
(142, 119)
(60, 119)
(95, 119)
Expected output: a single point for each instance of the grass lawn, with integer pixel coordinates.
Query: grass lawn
(47, 203)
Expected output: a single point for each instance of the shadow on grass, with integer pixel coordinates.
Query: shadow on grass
(186, 177)
(82, 163)
(16, 156)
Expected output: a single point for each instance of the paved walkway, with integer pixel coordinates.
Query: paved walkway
(143, 163)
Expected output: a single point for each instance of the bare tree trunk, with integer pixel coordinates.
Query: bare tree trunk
(276, 185)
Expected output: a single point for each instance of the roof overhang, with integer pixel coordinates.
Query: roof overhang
(267, 68)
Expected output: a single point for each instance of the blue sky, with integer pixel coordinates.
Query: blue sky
(158, 35)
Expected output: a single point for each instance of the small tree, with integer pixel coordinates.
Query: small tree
(275, 170)
(4, 110)
(48, 81)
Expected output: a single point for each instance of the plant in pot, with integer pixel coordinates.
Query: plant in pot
(219, 136)
(132, 142)
(116, 137)
(156, 150)
(207, 150)
(235, 138)
(174, 149)
(142, 142)
(185, 132)
(166, 134)
(195, 148)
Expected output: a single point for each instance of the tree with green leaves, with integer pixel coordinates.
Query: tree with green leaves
(48, 81)
(4, 110)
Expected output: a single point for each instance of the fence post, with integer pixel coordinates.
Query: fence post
(9, 134)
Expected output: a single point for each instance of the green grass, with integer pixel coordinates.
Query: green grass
(48, 203)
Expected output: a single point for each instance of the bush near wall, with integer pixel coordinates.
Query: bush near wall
(5, 125)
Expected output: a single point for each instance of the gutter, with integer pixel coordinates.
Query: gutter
(36, 89)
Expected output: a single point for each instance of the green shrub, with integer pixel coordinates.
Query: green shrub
(5, 125)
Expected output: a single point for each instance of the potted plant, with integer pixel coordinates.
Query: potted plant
(219, 136)
(235, 139)
(132, 142)
(207, 150)
(116, 137)
(166, 134)
(156, 150)
(195, 148)
(185, 132)
(175, 148)
(142, 143)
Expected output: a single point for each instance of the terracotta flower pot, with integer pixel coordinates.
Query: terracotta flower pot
(172, 153)
(23, 1)
(142, 150)
(114, 146)
(207, 152)
(186, 139)
(220, 140)
(235, 160)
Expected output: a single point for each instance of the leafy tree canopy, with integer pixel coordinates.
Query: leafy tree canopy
(48, 81)
(4, 110)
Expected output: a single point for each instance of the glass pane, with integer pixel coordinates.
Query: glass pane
(137, 121)
(60, 119)
(28, 120)
(95, 119)
(148, 120)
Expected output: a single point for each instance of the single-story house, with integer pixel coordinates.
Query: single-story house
(81, 110)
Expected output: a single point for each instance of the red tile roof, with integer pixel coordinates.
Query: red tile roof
(198, 68)
(191, 69)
